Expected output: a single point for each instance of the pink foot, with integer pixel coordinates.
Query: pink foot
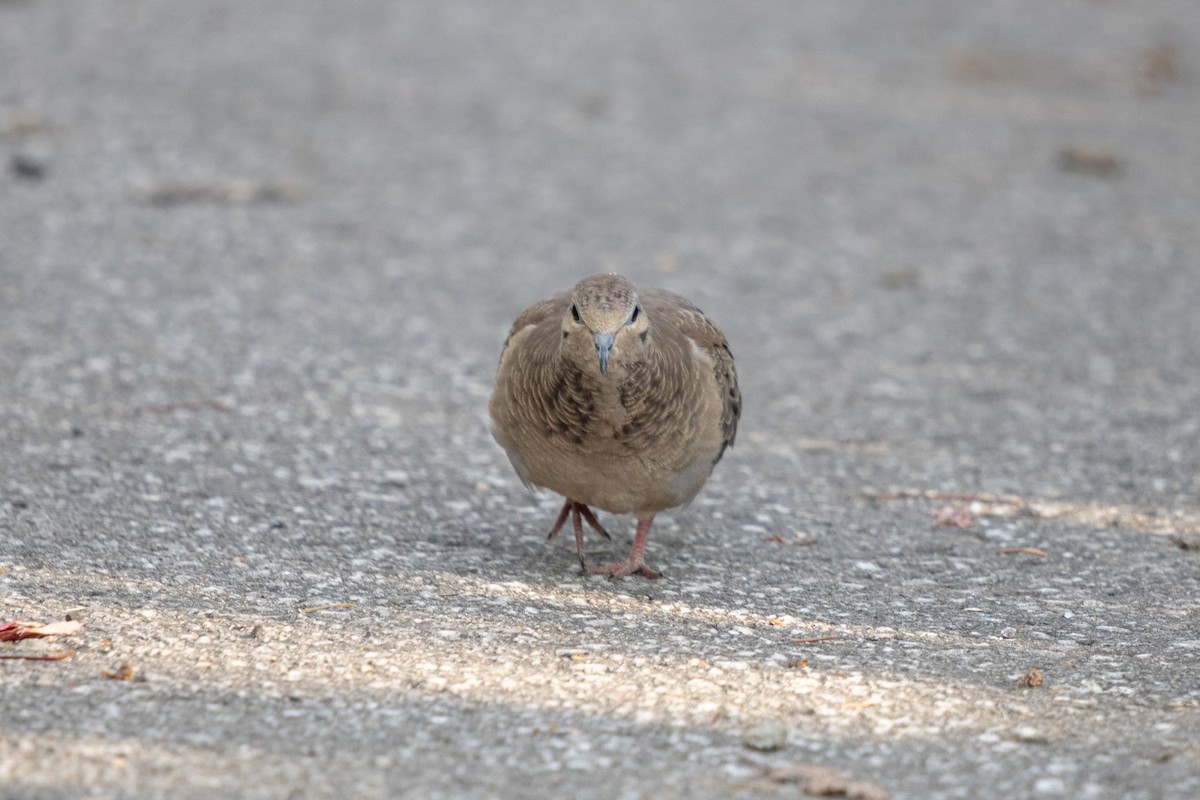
(635, 563)
(623, 569)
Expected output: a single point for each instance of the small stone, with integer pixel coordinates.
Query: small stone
(1044, 786)
(28, 167)
(396, 477)
(766, 736)
(1029, 735)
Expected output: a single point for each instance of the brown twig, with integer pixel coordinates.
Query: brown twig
(51, 657)
(187, 405)
(1032, 551)
(311, 609)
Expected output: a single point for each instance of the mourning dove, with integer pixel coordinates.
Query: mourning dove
(617, 400)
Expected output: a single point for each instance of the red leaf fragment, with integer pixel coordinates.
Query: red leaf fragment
(17, 630)
(953, 516)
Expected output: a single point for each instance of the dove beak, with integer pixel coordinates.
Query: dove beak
(604, 343)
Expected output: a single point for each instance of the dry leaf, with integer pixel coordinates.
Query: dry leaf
(169, 195)
(1032, 679)
(1087, 159)
(187, 405)
(1032, 551)
(1188, 540)
(796, 539)
(326, 607)
(1159, 65)
(987, 68)
(933, 494)
(953, 516)
(121, 673)
(856, 705)
(17, 630)
(818, 781)
(50, 657)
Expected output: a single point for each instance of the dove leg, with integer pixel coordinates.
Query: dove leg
(576, 510)
(578, 525)
(591, 518)
(635, 562)
(570, 506)
(562, 517)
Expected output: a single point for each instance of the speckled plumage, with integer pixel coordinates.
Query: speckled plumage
(617, 399)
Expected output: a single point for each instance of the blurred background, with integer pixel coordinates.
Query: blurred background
(915, 221)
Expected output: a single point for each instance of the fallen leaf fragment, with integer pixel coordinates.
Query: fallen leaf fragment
(1032, 551)
(172, 194)
(797, 539)
(187, 405)
(1188, 540)
(17, 630)
(818, 781)
(50, 657)
(325, 607)
(1159, 65)
(1148, 520)
(1032, 679)
(121, 673)
(953, 516)
(947, 497)
(987, 68)
(855, 705)
(1087, 159)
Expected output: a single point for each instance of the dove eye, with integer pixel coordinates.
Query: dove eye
(575, 312)
(636, 310)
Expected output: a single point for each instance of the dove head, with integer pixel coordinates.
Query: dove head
(604, 321)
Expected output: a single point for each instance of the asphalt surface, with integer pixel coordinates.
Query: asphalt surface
(256, 264)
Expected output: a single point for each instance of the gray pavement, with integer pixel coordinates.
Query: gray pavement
(256, 263)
